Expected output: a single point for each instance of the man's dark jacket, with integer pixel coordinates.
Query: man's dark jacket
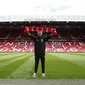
(39, 45)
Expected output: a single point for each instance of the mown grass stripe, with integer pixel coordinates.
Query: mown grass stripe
(55, 68)
(24, 71)
(1, 54)
(59, 68)
(10, 58)
(4, 72)
(79, 60)
(78, 54)
(2, 65)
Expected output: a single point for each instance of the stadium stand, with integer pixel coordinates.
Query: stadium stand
(70, 38)
(18, 46)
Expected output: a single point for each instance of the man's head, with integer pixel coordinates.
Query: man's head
(40, 33)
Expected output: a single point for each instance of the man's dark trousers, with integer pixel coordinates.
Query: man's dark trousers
(42, 58)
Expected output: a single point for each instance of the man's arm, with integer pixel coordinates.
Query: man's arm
(48, 37)
(29, 34)
(54, 33)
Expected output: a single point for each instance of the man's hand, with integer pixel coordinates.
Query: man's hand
(29, 34)
(54, 31)
(25, 31)
(51, 34)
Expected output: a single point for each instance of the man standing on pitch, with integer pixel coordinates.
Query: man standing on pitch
(39, 47)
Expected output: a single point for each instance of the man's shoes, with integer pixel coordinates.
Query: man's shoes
(34, 75)
(43, 75)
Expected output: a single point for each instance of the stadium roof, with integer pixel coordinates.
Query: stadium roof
(42, 10)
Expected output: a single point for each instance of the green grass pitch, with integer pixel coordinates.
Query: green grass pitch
(57, 66)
